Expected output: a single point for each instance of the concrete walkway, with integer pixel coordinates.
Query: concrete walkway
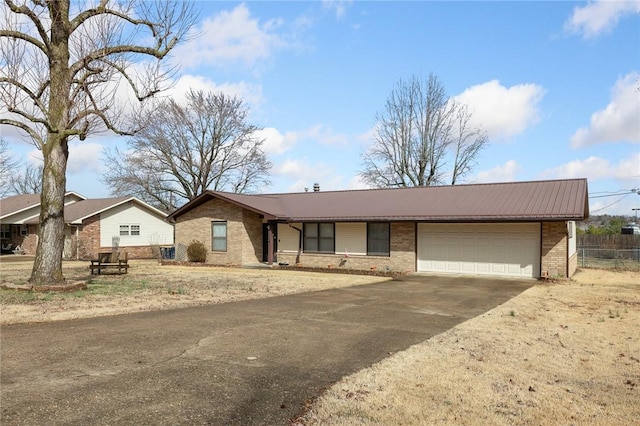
(249, 363)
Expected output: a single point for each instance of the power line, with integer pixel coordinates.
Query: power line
(614, 193)
(614, 203)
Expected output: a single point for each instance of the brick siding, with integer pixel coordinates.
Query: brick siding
(244, 232)
(554, 250)
(244, 243)
(89, 238)
(89, 243)
(30, 242)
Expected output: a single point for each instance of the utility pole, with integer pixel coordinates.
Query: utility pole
(636, 210)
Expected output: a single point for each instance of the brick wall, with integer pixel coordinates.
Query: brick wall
(402, 258)
(554, 250)
(28, 243)
(89, 238)
(251, 237)
(244, 232)
(403, 246)
(89, 243)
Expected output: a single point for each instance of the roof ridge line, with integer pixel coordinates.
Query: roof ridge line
(406, 187)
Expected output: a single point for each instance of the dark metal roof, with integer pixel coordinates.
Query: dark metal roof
(512, 201)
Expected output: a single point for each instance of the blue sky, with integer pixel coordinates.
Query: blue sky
(555, 84)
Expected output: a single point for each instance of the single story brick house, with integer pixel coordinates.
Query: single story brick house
(520, 229)
(91, 225)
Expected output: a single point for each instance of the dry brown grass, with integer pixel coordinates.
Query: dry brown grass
(564, 353)
(149, 286)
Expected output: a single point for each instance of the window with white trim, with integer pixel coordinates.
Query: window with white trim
(126, 230)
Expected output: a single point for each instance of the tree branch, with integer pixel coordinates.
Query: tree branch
(45, 46)
(32, 133)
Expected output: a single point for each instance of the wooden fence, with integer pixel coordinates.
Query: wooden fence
(609, 241)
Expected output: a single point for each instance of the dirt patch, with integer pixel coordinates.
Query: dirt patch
(565, 353)
(150, 286)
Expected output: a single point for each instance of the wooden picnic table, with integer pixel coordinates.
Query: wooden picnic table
(109, 260)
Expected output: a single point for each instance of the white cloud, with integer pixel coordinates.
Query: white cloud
(356, 182)
(324, 135)
(250, 94)
(504, 173)
(339, 7)
(34, 158)
(596, 168)
(502, 111)
(617, 122)
(367, 138)
(276, 142)
(84, 157)
(230, 36)
(304, 173)
(597, 17)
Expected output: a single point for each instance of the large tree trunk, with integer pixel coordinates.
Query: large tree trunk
(47, 267)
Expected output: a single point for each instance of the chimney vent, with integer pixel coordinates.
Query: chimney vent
(316, 187)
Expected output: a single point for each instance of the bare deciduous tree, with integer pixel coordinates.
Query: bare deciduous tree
(419, 132)
(187, 149)
(467, 143)
(29, 181)
(8, 167)
(61, 66)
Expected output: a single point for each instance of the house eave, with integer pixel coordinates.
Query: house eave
(438, 219)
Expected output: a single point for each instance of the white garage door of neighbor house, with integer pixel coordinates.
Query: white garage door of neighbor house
(507, 249)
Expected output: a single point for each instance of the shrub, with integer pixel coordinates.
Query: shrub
(196, 251)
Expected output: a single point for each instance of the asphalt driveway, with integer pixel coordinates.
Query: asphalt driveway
(253, 362)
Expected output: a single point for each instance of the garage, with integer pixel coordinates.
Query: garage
(501, 249)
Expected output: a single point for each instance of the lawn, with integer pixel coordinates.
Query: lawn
(559, 353)
(149, 286)
(566, 352)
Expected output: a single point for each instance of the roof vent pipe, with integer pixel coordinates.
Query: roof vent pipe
(316, 187)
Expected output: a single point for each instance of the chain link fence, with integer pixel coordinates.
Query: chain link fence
(596, 257)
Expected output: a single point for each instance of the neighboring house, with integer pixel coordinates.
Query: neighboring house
(91, 225)
(521, 229)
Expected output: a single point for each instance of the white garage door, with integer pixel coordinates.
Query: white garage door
(508, 249)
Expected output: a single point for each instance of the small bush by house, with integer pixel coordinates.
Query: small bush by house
(196, 251)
